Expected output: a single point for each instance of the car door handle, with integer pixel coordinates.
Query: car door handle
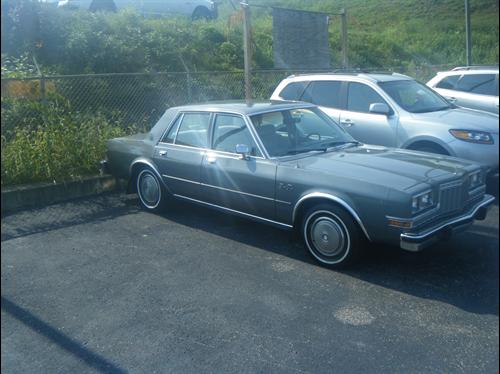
(347, 123)
(162, 153)
(211, 158)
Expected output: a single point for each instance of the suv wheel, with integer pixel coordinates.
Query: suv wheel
(331, 235)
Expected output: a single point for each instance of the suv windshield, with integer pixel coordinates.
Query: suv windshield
(295, 131)
(414, 97)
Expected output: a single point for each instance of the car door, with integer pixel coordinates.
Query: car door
(180, 153)
(366, 127)
(243, 184)
(326, 95)
(478, 91)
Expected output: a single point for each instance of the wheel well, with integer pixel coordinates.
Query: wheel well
(308, 203)
(132, 186)
(429, 145)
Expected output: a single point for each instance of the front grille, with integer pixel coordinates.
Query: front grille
(452, 197)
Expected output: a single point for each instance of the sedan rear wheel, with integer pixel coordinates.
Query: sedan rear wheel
(150, 190)
(331, 235)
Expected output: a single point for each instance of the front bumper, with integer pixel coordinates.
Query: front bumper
(417, 241)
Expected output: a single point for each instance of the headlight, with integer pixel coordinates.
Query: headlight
(473, 136)
(475, 179)
(421, 202)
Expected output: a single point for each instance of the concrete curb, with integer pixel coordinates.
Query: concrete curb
(41, 194)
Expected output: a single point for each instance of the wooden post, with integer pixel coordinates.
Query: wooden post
(468, 37)
(345, 61)
(247, 45)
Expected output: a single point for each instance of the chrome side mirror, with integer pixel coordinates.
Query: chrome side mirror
(243, 151)
(380, 108)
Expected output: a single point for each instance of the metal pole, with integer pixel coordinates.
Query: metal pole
(247, 45)
(42, 81)
(468, 40)
(345, 61)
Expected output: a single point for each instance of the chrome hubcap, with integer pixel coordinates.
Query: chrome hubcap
(327, 236)
(150, 190)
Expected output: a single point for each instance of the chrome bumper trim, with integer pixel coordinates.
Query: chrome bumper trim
(417, 241)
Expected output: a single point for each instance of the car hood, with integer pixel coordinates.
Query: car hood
(461, 118)
(393, 168)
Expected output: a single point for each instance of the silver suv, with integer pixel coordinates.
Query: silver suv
(394, 110)
(192, 8)
(474, 87)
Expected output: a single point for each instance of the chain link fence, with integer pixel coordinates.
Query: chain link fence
(55, 127)
(142, 98)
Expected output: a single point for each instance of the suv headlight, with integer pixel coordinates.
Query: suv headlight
(473, 136)
(421, 202)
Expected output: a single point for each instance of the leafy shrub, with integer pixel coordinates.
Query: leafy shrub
(56, 145)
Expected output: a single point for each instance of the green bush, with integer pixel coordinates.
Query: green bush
(62, 146)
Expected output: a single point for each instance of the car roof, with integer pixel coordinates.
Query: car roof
(242, 107)
(462, 70)
(373, 77)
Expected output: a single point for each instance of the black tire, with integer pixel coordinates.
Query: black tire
(331, 235)
(201, 13)
(429, 148)
(152, 194)
(102, 6)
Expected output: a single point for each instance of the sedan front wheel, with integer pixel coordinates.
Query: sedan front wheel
(331, 235)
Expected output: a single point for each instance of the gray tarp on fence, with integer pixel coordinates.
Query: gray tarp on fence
(300, 40)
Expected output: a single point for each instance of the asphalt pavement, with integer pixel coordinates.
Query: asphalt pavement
(97, 285)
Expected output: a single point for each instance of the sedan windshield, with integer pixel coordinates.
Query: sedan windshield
(295, 131)
(414, 97)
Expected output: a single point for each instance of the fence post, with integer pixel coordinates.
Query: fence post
(42, 81)
(189, 87)
(42, 89)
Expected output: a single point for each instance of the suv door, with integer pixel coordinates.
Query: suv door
(364, 126)
(230, 181)
(180, 152)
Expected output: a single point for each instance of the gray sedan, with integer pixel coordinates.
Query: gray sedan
(289, 165)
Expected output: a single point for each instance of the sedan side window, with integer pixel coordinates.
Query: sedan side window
(483, 84)
(360, 97)
(170, 135)
(193, 130)
(230, 131)
(325, 93)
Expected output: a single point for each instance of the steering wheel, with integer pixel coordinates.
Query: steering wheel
(316, 134)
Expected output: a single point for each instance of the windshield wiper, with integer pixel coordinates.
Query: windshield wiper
(323, 148)
(305, 150)
(341, 142)
(438, 109)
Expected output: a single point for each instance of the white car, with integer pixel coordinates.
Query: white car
(192, 8)
(474, 87)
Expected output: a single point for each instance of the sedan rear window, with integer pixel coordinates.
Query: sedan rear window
(193, 131)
